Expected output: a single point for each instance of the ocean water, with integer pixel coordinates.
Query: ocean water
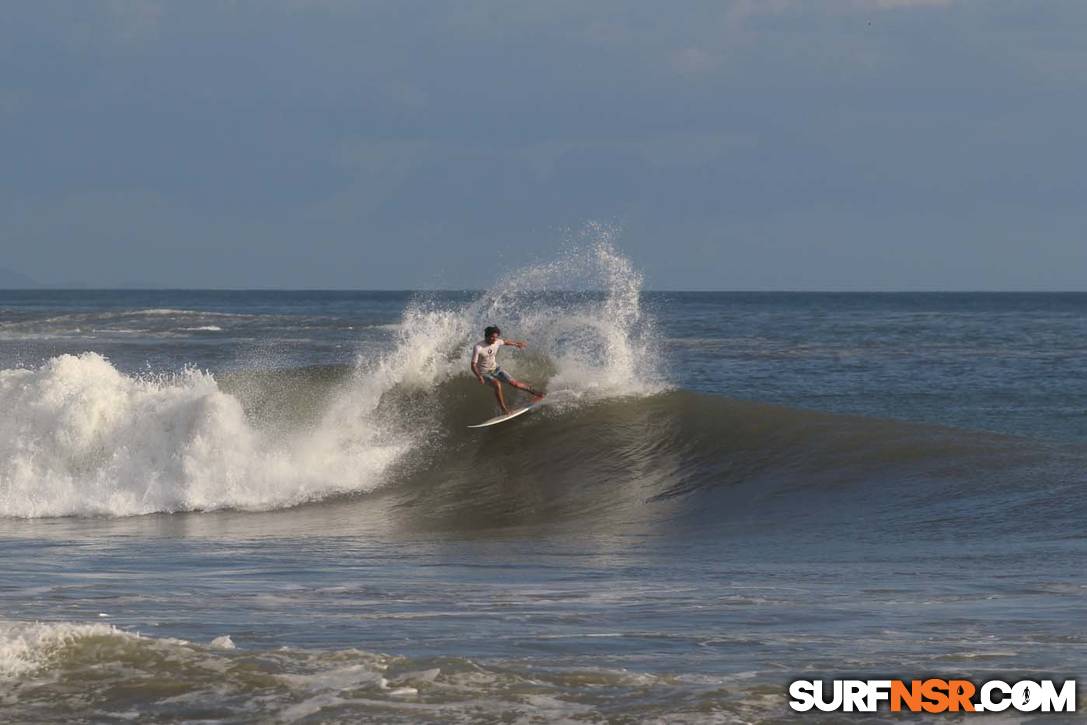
(265, 506)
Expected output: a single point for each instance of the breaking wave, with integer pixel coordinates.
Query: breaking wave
(80, 437)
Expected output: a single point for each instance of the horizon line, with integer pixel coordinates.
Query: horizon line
(44, 288)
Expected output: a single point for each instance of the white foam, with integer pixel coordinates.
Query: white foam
(222, 642)
(28, 646)
(81, 438)
(169, 311)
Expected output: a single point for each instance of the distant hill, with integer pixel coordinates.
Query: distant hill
(10, 279)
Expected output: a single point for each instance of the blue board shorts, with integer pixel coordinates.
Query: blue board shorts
(498, 374)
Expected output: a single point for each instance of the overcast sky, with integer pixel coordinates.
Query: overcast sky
(752, 144)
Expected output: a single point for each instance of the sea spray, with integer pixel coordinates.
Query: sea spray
(581, 314)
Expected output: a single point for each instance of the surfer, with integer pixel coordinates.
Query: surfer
(485, 366)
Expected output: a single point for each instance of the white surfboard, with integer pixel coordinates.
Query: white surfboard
(507, 416)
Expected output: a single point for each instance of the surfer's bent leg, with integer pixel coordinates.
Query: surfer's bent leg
(521, 386)
(498, 394)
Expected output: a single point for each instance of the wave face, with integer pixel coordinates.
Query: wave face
(692, 460)
(81, 438)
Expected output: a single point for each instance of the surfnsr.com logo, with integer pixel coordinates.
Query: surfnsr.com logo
(932, 696)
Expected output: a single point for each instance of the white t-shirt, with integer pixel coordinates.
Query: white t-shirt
(483, 355)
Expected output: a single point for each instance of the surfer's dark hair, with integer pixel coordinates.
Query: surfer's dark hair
(493, 328)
